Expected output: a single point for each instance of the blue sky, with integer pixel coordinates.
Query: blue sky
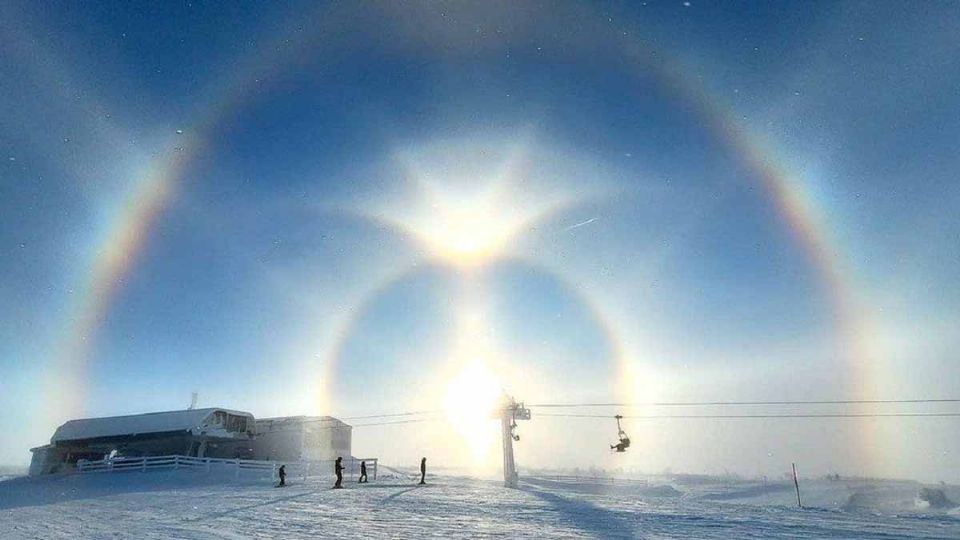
(338, 156)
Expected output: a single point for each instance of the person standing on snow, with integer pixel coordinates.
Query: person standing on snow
(338, 468)
(423, 471)
(283, 475)
(363, 473)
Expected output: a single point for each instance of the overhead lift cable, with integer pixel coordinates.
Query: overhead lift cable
(786, 415)
(390, 415)
(746, 403)
(393, 422)
(433, 415)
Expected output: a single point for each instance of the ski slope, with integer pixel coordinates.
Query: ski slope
(189, 505)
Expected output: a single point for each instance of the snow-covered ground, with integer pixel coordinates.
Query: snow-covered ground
(179, 504)
(7, 473)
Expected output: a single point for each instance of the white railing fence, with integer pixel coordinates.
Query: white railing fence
(240, 468)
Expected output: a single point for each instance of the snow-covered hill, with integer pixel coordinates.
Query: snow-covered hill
(179, 504)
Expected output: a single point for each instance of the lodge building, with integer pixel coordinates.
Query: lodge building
(210, 432)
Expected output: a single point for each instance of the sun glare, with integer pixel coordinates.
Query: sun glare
(466, 235)
(470, 401)
(467, 214)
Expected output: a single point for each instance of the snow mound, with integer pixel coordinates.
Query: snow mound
(749, 492)
(864, 501)
(935, 498)
(662, 491)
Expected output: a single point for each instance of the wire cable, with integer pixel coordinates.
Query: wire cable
(390, 415)
(394, 422)
(746, 403)
(430, 415)
(721, 416)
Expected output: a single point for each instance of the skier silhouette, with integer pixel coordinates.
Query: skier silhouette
(283, 475)
(423, 471)
(338, 468)
(363, 473)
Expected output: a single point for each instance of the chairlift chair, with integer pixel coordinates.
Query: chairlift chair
(622, 435)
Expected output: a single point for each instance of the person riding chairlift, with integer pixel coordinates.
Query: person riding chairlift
(624, 440)
(622, 445)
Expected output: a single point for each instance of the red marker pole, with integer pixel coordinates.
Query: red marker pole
(796, 484)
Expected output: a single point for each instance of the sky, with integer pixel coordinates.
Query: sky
(357, 209)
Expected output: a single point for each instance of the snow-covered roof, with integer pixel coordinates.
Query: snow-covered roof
(158, 422)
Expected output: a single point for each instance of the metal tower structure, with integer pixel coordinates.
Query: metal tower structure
(510, 412)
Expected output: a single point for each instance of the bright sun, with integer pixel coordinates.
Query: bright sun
(464, 212)
(466, 235)
(470, 401)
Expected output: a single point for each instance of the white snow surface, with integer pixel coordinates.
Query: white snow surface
(192, 505)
